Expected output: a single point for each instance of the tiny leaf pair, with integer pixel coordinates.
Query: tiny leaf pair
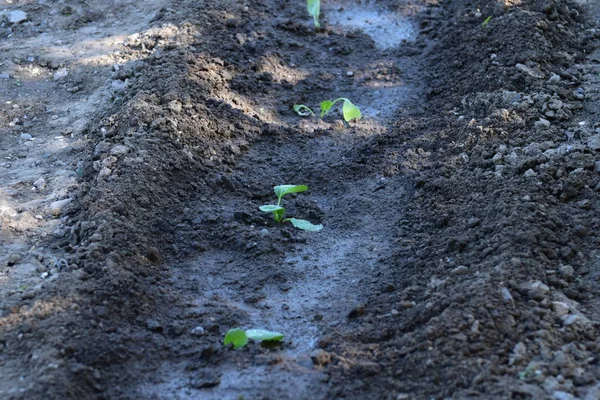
(239, 338)
(349, 110)
(278, 211)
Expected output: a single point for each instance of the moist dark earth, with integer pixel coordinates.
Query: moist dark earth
(459, 255)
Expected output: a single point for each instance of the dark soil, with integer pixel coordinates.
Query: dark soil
(458, 257)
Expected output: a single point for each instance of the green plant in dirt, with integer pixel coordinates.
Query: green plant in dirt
(349, 110)
(314, 9)
(486, 21)
(239, 338)
(279, 212)
(531, 372)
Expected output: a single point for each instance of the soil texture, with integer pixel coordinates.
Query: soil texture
(458, 257)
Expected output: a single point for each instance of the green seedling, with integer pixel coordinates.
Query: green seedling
(529, 373)
(486, 21)
(239, 338)
(349, 110)
(303, 111)
(314, 9)
(279, 212)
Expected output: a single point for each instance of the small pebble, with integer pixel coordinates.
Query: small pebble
(320, 357)
(57, 207)
(197, 331)
(566, 270)
(118, 85)
(506, 295)
(542, 124)
(61, 74)
(40, 183)
(119, 150)
(560, 395)
(560, 308)
(460, 270)
(473, 222)
(17, 16)
(571, 319)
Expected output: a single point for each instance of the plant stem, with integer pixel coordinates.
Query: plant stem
(336, 100)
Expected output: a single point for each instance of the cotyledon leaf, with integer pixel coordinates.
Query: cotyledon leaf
(325, 107)
(237, 337)
(263, 335)
(270, 208)
(303, 110)
(282, 190)
(350, 111)
(305, 225)
(314, 9)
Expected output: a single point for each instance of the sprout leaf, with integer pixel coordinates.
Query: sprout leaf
(270, 208)
(237, 337)
(325, 107)
(305, 225)
(263, 335)
(314, 9)
(303, 110)
(282, 190)
(350, 111)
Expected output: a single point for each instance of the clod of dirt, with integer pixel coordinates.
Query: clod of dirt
(154, 325)
(17, 16)
(13, 259)
(535, 290)
(205, 379)
(357, 311)
(62, 73)
(153, 254)
(57, 207)
(321, 357)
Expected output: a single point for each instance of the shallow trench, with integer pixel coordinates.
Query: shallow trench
(326, 270)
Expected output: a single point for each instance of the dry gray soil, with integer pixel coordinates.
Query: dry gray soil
(459, 256)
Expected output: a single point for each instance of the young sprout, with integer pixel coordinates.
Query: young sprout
(278, 211)
(303, 111)
(239, 338)
(486, 21)
(349, 110)
(314, 9)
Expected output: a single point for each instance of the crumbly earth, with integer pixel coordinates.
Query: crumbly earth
(459, 252)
